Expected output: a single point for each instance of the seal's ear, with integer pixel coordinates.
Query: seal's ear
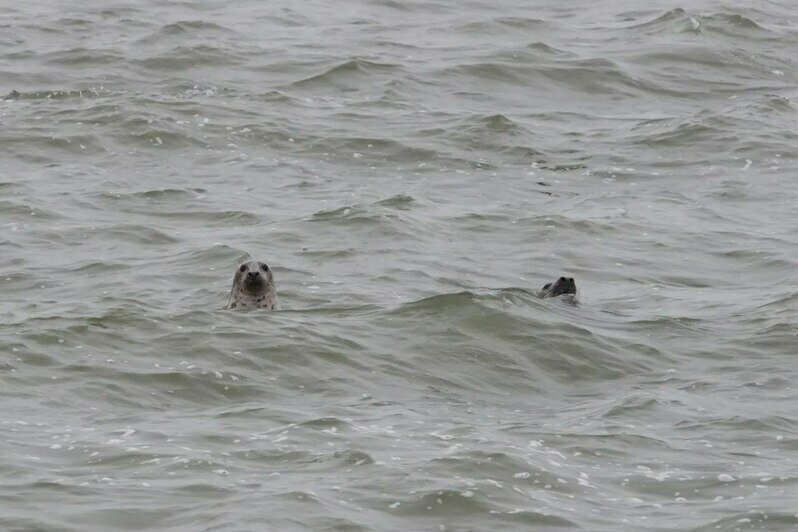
(546, 286)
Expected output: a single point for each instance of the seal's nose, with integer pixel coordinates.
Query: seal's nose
(254, 274)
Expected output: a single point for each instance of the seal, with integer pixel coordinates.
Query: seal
(563, 285)
(253, 287)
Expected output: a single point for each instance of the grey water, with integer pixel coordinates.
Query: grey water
(412, 172)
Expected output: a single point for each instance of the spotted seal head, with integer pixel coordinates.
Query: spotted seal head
(563, 285)
(253, 287)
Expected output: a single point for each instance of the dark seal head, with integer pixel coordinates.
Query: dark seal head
(563, 285)
(253, 287)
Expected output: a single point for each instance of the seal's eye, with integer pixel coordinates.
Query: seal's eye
(571, 280)
(243, 268)
(264, 267)
(562, 279)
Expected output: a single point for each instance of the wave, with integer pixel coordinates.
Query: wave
(350, 73)
(84, 57)
(681, 21)
(28, 211)
(57, 94)
(500, 25)
(186, 57)
(540, 339)
(185, 28)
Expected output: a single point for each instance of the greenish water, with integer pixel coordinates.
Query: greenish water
(412, 172)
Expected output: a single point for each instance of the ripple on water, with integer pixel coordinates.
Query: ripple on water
(389, 159)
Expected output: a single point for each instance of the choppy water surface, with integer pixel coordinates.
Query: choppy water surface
(413, 172)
